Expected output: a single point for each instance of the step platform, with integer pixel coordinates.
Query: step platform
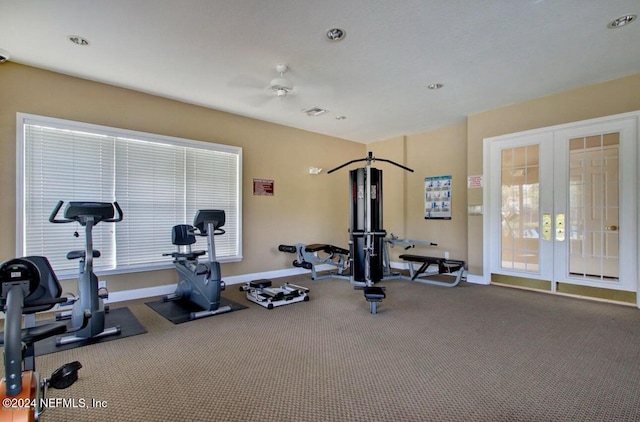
(261, 292)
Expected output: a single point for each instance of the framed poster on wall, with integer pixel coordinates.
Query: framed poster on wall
(437, 198)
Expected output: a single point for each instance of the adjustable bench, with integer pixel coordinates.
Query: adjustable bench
(450, 271)
(308, 256)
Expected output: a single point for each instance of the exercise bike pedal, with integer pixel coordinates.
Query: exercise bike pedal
(64, 376)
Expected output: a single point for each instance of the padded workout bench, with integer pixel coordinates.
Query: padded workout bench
(308, 256)
(450, 271)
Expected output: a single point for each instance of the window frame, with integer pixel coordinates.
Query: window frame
(23, 119)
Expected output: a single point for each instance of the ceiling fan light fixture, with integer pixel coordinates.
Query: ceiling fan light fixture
(336, 34)
(621, 21)
(281, 83)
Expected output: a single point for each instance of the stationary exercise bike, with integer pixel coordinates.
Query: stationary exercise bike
(90, 299)
(200, 282)
(29, 285)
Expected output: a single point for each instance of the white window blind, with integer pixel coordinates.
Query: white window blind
(158, 181)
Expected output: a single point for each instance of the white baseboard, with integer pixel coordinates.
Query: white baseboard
(133, 294)
(143, 293)
(476, 279)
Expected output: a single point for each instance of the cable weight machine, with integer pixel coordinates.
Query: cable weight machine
(366, 230)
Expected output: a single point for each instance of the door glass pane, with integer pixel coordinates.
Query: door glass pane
(520, 209)
(594, 207)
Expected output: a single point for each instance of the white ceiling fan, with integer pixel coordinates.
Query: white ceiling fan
(281, 87)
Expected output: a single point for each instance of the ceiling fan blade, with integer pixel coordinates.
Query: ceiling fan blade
(258, 100)
(246, 81)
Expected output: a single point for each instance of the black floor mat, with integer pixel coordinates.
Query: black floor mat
(129, 326)
(178, 311)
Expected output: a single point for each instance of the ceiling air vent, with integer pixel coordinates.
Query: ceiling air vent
(315, 111)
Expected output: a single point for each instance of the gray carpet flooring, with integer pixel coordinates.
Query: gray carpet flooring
(470, 353)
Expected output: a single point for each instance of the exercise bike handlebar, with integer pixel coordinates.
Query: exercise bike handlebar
(119, 213)
(54, 213)
(56, 210)
(368, 159)
(198, 232)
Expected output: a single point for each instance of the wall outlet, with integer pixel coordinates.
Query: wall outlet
(446, 254)
(102, 284)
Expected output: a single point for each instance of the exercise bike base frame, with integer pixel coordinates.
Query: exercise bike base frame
(204, 314)
(112, 331)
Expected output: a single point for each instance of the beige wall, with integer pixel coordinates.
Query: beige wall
(608, 98)
(435, 153)
(438, 153)
(394, 181)
(305, 208)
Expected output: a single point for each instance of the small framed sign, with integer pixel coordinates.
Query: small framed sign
(263, 187)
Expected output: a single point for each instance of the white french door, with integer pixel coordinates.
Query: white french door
(561, 204)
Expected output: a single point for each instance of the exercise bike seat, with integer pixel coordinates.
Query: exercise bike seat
(81, 254)
(182, 235)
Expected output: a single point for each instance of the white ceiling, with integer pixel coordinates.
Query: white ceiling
(222, 54)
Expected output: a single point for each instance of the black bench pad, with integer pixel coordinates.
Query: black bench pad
(374, 294)
(260, 284)
(444, 265)
(330, 249)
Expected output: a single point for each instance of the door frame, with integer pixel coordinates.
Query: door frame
(630, 187)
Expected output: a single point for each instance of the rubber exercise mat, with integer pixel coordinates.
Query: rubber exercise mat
(178, 311)
(129, 326)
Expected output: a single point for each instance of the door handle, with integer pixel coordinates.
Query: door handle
(560, 229)
(611, 228)
(546, 226)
